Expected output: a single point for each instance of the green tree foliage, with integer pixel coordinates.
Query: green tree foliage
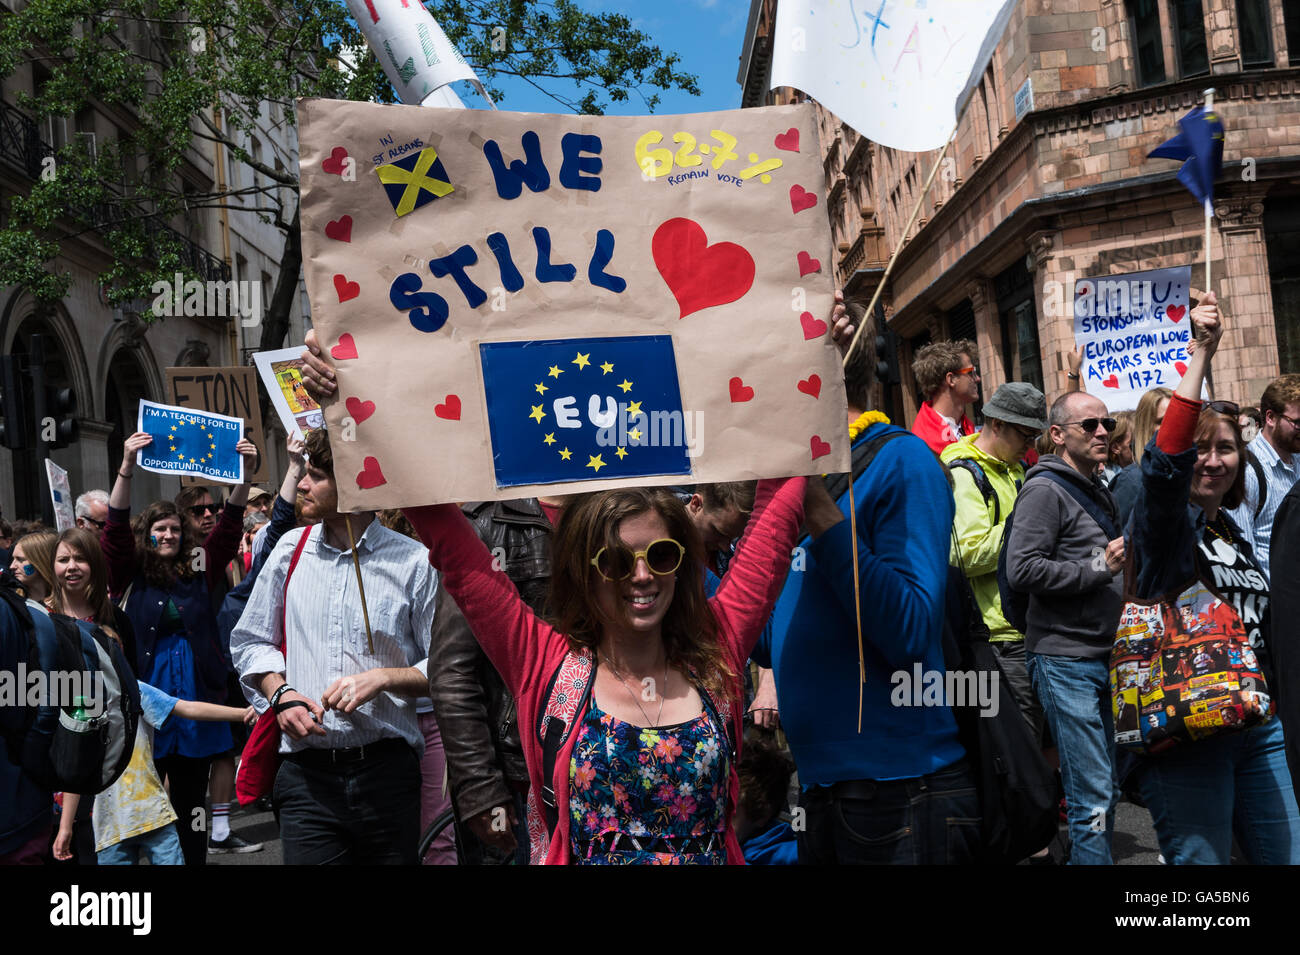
(181, 80)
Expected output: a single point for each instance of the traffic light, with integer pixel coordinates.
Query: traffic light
(887, 358)
(13, 430)
(60, 408)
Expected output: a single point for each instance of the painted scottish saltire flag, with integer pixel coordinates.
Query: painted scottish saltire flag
(585, 408)
(186, 441)
(414, 180)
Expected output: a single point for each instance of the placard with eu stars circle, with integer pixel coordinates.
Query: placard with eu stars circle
(186, 441)
(584, 409)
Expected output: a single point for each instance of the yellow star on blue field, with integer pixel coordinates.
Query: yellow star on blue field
(625, 385)
(179, 457)
(549, 439)
(582, 360)
(173, 427)
(537, 414)
(595, 462)
(556, 371)
(622, 453)
(192, 461)
(213, 447)
(606, 367)
(635, 434)
(634, 408)
(566, 454)
(541, 388)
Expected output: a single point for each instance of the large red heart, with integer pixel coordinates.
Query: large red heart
(808, 264)
(450, 409)
(1182, 369)
(1112, 381)
(801, 199)
(334, 164)
(360, 410)
(812, 385)
(371, 475)
(698, 274)
(345, 349)
(789, 140)
(739, 390)
(340, 228)
(1176, 313)
(819, 447)
(347, 290)
(812, 327)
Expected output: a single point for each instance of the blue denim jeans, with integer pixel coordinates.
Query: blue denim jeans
(1201, 793)
(1075, 694)
(927, 820)
(162, 846)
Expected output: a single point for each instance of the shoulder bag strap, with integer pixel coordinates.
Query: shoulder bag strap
(284, 603)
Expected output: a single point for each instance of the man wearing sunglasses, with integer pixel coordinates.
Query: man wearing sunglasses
(1065, 551)
(1271, 465)
(946, 374)
(91, 511)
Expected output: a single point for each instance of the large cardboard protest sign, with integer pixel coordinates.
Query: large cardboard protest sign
(519, 303)
(225, 391)
(1133, 331)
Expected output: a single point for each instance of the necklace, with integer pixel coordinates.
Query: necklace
(865, 421)
(635, 699)
(1226, 536)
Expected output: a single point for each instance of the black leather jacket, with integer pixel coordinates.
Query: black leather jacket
(475, 712)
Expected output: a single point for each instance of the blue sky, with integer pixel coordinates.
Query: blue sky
(706, 34)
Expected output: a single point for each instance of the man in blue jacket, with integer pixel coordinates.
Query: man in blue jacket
(885, 778)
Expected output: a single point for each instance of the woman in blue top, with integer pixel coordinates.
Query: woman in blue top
(1201, 793)
(167, 581)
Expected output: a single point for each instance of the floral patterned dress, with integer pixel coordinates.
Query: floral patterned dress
(648, 795)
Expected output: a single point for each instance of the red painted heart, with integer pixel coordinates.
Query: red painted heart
(449, 409)
(801, 199)
(789, 140)
(1112, 381)
(812, 327)
(370, 476)
(347, 290)
(698, 274)
(1182, 369)
(340, 229)
(812, 385)
(345, 349)
(1176, 312)
(819, 447)
(808, 264)
(360, 410)
(334, 164)
(739, 390)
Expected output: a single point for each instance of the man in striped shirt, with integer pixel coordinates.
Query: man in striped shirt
(1274, 451)
(348, 790)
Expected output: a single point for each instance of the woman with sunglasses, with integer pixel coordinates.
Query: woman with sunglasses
(167, 581)
(648, 774)
(32, 565)
(1202, 793)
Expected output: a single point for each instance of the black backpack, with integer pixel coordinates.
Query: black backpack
(1258, 468)
(77, 732)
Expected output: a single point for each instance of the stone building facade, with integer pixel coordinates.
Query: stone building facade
(1047, 181)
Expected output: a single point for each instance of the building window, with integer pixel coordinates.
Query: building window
(1148, 48)
(1256, 38)
(1291, 16)
(1282, 239)
(1189, 34)
(1021, 355)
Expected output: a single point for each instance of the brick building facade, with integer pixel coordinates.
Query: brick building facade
(1047, 181)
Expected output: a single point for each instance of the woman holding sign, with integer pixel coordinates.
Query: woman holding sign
(167, 581)
(1224, 780)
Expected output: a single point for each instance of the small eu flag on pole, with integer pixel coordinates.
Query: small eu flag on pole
(1200, 144)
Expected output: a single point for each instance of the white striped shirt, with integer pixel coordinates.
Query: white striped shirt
(1280, 477)
(327, 636)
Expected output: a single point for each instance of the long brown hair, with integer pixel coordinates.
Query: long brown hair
(158, 571)
(1144, 420)
(38, 549)
(590, 522)
(87, 545)
(1207, 432)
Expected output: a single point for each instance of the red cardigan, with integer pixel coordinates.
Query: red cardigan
(526, 651)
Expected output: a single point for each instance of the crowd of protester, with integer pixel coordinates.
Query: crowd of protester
(640, 675)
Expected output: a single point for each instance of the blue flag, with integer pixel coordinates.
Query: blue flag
(584, 408)
(1200, 143)
(186, 441)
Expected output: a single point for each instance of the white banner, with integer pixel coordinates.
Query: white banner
(410, 46)
(61, 495)
(891, 69)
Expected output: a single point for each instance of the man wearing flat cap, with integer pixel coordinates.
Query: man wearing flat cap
(987, 475)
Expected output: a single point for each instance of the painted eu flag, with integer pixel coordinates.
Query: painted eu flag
(584, 408)
(1200, 143)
